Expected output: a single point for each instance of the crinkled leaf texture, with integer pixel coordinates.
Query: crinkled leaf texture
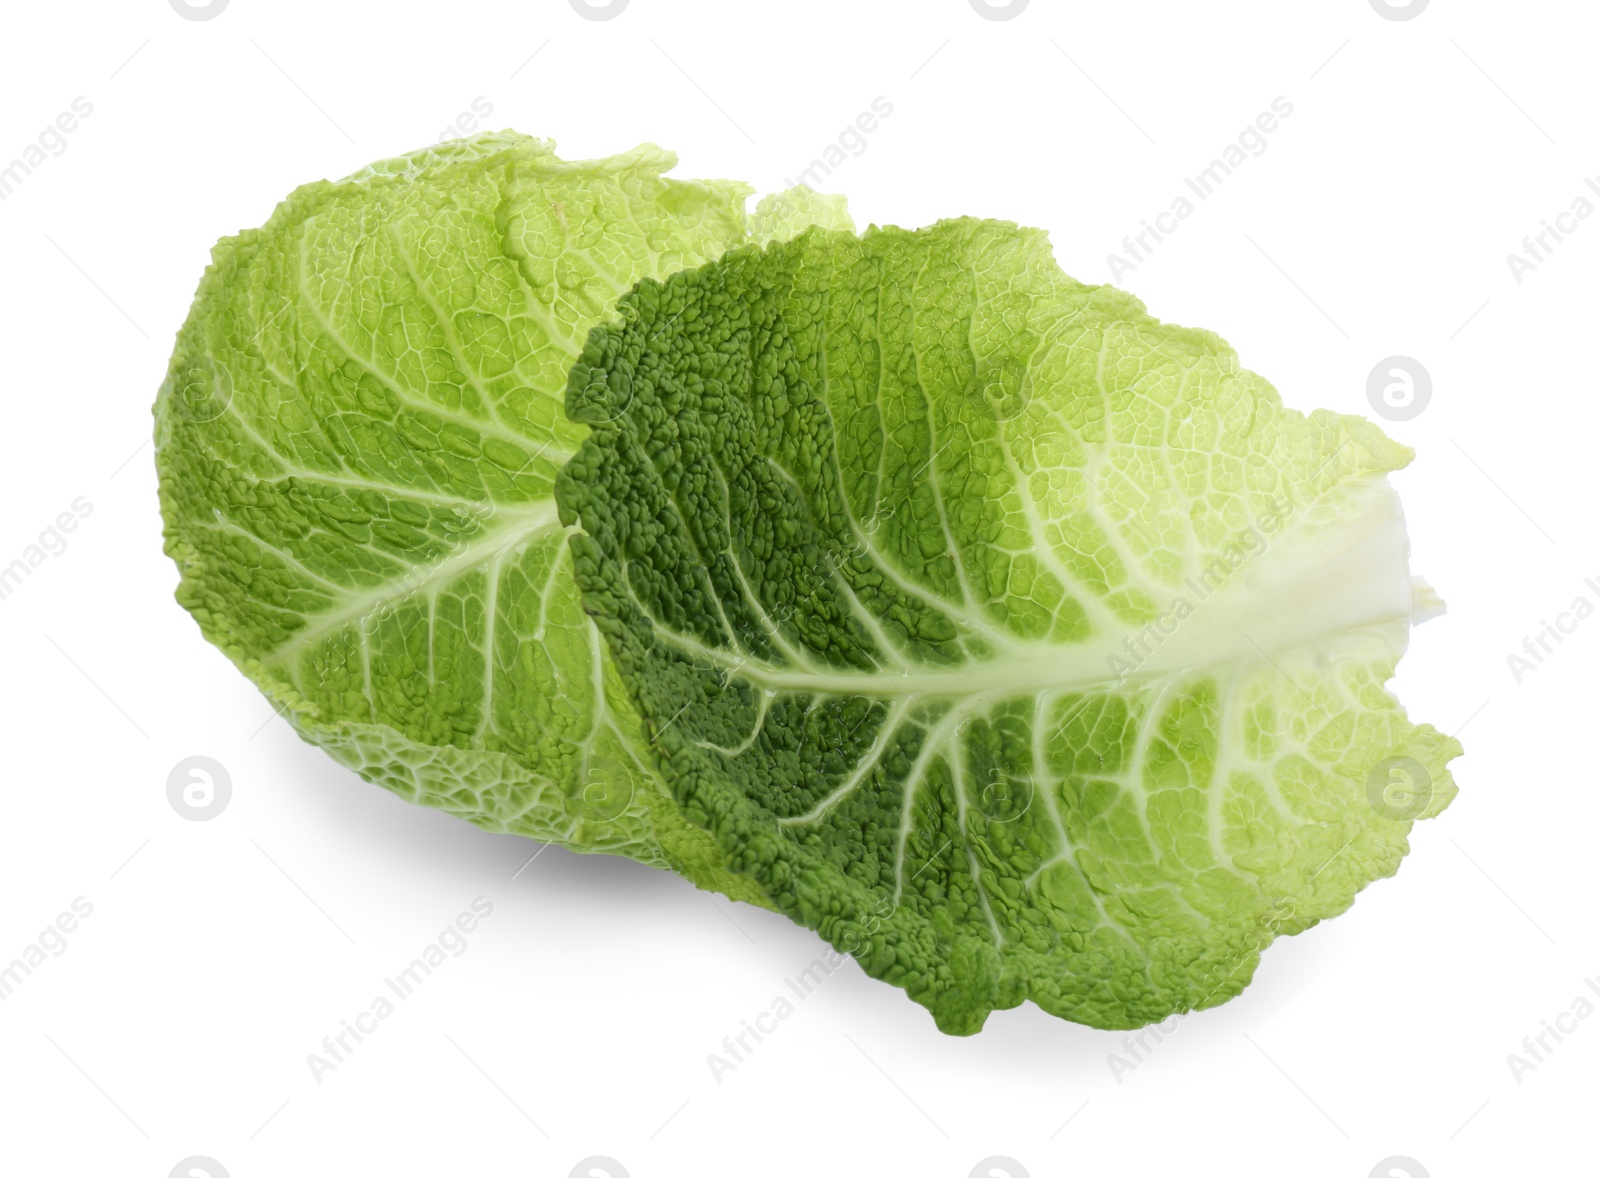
(357, 441)
(1022, 645)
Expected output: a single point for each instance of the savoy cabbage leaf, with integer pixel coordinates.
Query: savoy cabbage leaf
(357, 441)
(1020, 644)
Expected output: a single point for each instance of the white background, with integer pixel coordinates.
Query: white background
(178, 1019)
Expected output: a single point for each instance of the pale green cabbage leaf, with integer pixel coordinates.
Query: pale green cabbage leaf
(357, 441)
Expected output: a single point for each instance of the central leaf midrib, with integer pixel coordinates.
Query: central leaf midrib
(1306, 591)
(519, 527)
